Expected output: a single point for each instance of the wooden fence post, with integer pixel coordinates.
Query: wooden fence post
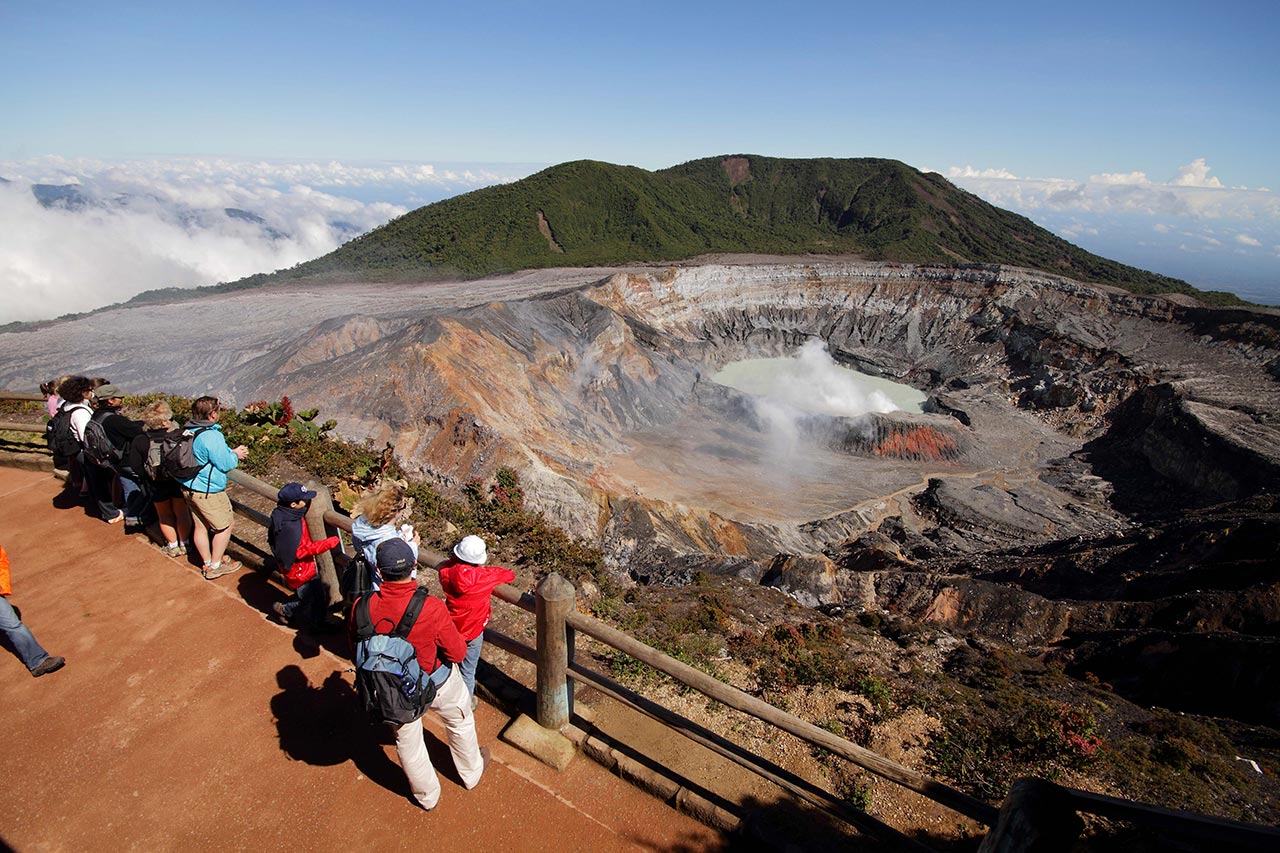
(1036, 817)
(553, 601)
(318, 530)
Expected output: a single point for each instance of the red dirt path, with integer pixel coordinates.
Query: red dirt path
(185, 719)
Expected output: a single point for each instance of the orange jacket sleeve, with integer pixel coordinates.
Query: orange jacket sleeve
(6, 588)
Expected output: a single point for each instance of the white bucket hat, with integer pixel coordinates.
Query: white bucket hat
(471, 550)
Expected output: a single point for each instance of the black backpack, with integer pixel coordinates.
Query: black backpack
(178, 454)
(357, 577)
(58, 434)
(392, 686)
(98, 448)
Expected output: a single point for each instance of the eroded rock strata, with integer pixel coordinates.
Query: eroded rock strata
(1093, 474)
(1063, 419)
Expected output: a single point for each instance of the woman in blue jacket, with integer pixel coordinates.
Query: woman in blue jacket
(206, 492)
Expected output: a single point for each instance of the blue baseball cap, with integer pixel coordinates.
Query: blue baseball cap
(291, 492)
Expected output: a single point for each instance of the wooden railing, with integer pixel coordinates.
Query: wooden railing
(1036, 815)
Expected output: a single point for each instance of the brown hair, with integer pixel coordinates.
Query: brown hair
(382, 505)
(75, 389)
(203, 408)
(157, 415)
(99, 382)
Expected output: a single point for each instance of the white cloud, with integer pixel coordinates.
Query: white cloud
(1161, 228)
(1196, 174)
(146, 224)
(1191, 195)
(970, 172)
(1126, 178)
(1246, 240)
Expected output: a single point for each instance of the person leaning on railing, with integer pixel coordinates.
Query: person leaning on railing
(206, 492)
(77, 393)
(381, 514)
(172, 514)
(120, 432)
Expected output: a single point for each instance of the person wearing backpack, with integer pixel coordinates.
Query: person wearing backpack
(295, 552)
(439, 648)
(206, 492)
(467, 583)
(65, 431)
(107, 436)
(143, 458)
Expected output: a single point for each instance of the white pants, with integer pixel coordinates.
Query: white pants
(453, 704)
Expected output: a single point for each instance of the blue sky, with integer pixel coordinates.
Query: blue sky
(982, 93)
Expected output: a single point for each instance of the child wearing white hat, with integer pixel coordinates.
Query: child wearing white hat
(467, 584)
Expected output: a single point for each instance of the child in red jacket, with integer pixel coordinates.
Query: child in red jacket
(467, 583)
(295, 551)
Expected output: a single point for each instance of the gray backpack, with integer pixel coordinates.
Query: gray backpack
(392, 686)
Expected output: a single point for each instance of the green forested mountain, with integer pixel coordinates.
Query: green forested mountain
(591, 213)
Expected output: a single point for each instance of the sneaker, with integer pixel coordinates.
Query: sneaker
(171, 550)
(119, 518)
(278, 609)
(217, 570)
(180, 550)
(48, 665)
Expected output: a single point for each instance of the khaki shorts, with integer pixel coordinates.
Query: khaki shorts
(213, 510)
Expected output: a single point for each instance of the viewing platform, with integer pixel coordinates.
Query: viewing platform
(186, 719)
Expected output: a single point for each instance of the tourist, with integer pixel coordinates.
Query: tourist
(467, 584)
(172, 514)
(121, 432)
(206, 492)
(438, 645)
(37, 660)
(381, 514)
(77, 395)
(295, 552)
(51, 399)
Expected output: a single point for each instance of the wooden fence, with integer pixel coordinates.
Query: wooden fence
(1037, 815)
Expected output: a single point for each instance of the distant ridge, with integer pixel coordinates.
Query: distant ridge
(588, 213)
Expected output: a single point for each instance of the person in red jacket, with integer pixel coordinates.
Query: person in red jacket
(467, 584)
(439, 647)
(295, 552)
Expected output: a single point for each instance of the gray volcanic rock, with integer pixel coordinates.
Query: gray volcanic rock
(1064, 422)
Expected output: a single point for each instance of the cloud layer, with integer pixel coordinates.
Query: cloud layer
(1190, 226)
(107, 231)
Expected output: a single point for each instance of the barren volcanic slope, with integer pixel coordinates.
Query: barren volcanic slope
(1095, 472)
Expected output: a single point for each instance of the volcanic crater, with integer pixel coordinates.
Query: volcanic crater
(1065, 425)
(1083, 451)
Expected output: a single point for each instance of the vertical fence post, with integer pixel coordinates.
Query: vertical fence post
(318, 530)
(553, 602)
(1036, 817)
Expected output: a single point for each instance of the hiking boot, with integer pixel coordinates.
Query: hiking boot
(278, 610)
(226, 567)
(48, 665)
(174, 550)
